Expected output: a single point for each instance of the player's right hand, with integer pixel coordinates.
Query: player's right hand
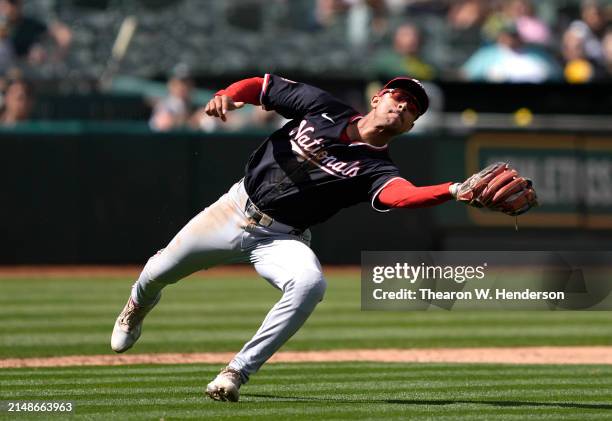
(219, 105)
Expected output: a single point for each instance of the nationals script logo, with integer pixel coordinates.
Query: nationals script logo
(305, 146)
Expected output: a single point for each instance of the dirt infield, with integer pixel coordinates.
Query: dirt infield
(518, 355)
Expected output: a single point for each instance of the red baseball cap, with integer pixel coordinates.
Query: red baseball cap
(413, 86)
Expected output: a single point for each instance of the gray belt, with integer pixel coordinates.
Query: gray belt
(253, 212)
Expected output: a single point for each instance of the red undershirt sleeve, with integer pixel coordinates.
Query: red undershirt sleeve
(246, 90)
(401, 193)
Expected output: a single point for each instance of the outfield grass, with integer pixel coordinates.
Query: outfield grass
(53, 317)
(323, 391)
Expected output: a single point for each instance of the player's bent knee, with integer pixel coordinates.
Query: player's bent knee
(319, 287)
(310, 289)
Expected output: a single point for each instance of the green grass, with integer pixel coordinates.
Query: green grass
(53, 317)
(322, 391)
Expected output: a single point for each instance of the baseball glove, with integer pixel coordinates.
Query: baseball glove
(500, 188)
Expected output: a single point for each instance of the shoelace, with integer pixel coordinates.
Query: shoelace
(132, 316)
(232, 373)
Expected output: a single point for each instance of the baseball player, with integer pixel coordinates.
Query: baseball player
(327, 157)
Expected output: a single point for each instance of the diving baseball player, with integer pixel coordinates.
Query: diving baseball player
(327, 157)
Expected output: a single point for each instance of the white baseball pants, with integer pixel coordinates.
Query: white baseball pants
(222, 233)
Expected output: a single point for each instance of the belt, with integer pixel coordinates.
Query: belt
(253, 212)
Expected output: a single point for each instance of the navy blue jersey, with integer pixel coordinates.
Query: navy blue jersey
(303, 173)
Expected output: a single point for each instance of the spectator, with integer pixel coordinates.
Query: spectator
(509, 60)
(7, 55)
(327, 11)
(176, 109)
(530, 28)
(592, 25)
(27, 33)
(18, 103)
(578, 67)
(606, 45)
(593, 14)
(462, 33)
(467, 14)
(405, 57)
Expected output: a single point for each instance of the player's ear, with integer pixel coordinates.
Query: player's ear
(374, 101)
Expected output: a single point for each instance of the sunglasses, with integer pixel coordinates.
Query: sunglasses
(400, 95)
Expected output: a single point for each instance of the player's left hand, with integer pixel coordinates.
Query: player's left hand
(498, 187)
(219, 105)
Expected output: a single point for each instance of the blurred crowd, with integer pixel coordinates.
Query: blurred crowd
(505, 41)
(25, 41)
(492, 41)
(498, 41)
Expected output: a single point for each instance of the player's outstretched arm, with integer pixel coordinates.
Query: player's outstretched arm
(246, 91)
(401, 193)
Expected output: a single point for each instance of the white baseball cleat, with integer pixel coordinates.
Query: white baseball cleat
(128, 325)
(226, 386)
